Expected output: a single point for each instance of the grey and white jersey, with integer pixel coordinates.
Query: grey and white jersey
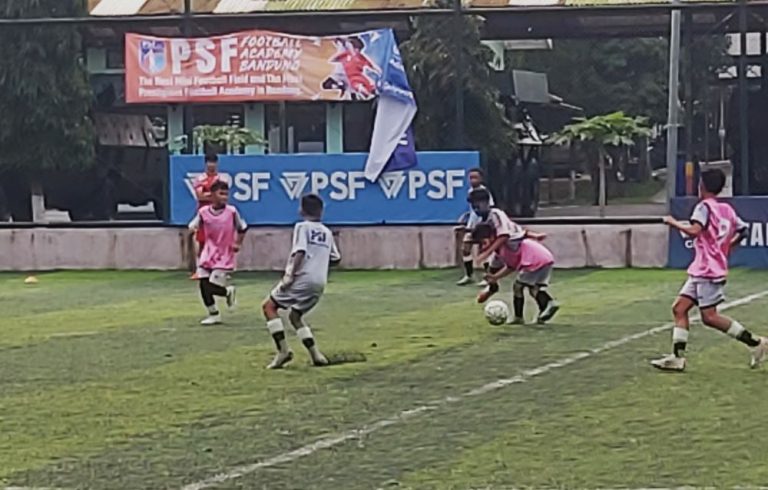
(316, 241)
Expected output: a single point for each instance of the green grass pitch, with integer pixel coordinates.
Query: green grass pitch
(108, 382)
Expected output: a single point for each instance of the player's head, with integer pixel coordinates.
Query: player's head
(476, 177)
(356, 43)
(311, 207)
(712, 182)
(211, 164)
(480, 200)
(483, 233)
(219, 194)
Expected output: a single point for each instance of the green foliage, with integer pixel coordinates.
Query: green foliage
(229, 138)
(627, 75)
(45, 96)
(431, 59)
(615, 129)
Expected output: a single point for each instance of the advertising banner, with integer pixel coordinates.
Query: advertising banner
(752, 252)
(264, 66)
(266, 188)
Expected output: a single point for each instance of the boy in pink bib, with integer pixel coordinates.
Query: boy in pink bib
(716, 229)
(224, 231)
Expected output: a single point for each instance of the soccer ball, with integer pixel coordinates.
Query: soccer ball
(496, 312)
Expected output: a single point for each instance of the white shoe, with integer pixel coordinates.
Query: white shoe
(231, 297)
(318, 359)
(212, 320)
(669, 363)
(516, 321)
(759, 353)
(464, 281)
(549, 312)
(280, 360)
(482, 283)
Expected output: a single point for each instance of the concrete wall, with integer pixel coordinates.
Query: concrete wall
(406, 247)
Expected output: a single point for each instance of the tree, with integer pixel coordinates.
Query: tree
(439, 50)
(45, 96)
(628, 75)
(218, 139)
(602, 133)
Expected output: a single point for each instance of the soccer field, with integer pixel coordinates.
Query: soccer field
(108, 382)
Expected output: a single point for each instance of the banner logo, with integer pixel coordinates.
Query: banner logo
(152, 56)
(294, 184)
(391, 183)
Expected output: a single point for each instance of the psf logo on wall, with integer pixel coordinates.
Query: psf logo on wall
(266, 189)
(340, 185)
(152, 56)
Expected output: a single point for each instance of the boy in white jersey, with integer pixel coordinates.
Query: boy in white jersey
(716, 230)
(303, 284)
(476, 181)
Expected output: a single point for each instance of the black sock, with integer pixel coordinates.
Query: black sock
(678, 349)
(279, 338)
(205, 292)
(518, 303)
(469, 267)
(542, 299)
(308, 342)
(747, 338)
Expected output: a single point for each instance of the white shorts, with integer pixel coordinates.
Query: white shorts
(219, 277)
(299, 296)
(538, 278)
(706, 293)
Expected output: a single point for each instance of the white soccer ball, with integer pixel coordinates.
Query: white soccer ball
(496, 312)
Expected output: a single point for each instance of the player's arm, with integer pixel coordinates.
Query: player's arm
(693, 229)
(241, 226)
(495, 245)
(535, 235)
(298, 253)
(742, 231)
(201, 194)
(498, 276)
(195, 224)
(335, 257)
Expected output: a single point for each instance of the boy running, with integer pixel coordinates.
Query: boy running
(224, 231)
(202, 186)
(303, 284)
(716, 229)
(476, 178)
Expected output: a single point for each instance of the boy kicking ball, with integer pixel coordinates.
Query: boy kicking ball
(716, 229)
(224, 231)
(303, 284)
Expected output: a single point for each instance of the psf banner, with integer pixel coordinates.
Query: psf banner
(262, 66)
(752, 252)
(266, 188)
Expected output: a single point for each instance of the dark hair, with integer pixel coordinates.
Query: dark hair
(476, 170)
(479, 195)
(713, 180)
(219, 185)
(312, 205)
(482, 231)
(212, 158)
(357, 42)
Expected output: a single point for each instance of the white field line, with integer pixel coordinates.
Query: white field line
(329, 442)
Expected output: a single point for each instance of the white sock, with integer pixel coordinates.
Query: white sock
(275, 328)
(305, 334)
(680, 335)
(212, 310)
(735, 330)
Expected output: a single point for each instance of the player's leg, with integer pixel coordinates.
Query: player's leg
(518, 303)
(467, 261)
(307, 338)
(537, 282)
(270, 308)
(711, 295)
(219, 284)
(214, 316)
(686, 300)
